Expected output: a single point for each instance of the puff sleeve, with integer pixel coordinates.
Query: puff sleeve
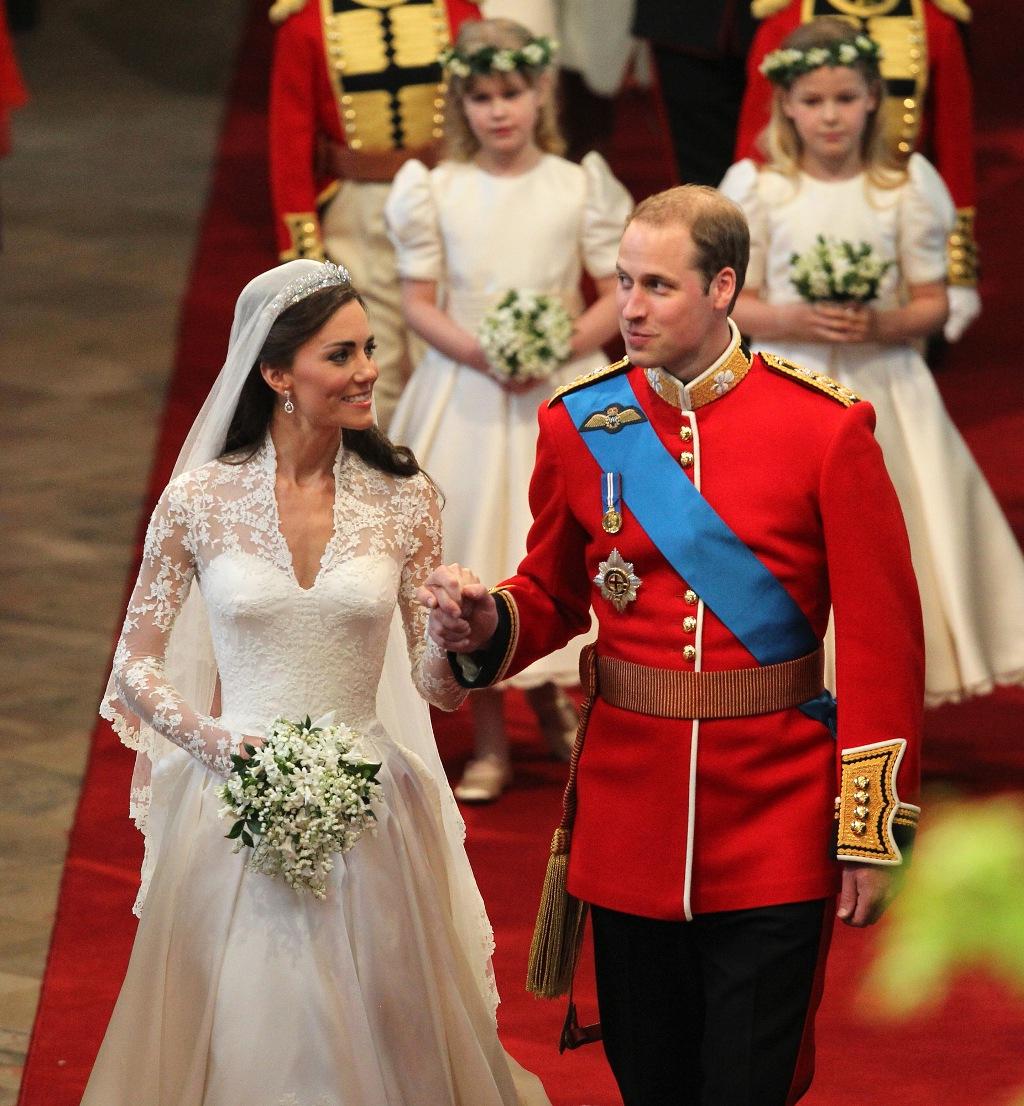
(741, 184)
(605, 210)
(926, 219)
(411, 216)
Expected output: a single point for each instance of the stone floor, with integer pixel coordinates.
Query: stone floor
(100, 204)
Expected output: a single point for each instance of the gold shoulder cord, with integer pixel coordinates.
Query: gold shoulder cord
(812, 379)
(584, 379)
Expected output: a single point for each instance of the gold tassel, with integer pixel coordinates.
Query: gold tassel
(558, 934)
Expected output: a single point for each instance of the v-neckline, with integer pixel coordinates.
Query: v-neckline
(285, 554)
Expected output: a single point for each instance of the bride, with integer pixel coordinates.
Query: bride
(278, 579)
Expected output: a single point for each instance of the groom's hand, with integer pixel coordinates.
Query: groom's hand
(463, 615)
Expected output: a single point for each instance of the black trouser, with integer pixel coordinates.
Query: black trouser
(710, 1012)
(702, 99)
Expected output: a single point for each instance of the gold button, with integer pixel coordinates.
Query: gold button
(686, 459)
(356, 144)
(690, 596)
(689, 624)
(860, 811)
(909, 103)
(346, 99)
(859, 828)
(860, 781)
(308, 228)
(437, 132)
(903, 147)
(909, 118)
(860, 797)
(685, 433)
(689, 652)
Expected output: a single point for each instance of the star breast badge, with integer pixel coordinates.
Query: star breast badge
(617, 581)
(612, 419)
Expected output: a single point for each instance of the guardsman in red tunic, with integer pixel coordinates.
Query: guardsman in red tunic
(355, 92)
(711, 505)
(928, 107)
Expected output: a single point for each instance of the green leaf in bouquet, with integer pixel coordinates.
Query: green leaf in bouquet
(255, 826)
(246, 839)
(239, 763)
(368, 771)
(235, 830)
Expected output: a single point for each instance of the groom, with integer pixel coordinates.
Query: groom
(711, 506)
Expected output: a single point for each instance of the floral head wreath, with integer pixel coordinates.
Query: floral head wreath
(784, 66)
(484, 60)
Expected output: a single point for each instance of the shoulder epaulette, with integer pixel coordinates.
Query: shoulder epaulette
(812, 379)
(589, 378)
(280, 10)
(761, 9)
(957, 9)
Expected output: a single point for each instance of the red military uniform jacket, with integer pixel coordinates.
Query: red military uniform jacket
(929, 102)
(677, 817)
(363, 75)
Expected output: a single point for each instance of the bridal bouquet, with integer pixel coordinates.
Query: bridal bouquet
(837, 270)
(526, 336)
(298, 799)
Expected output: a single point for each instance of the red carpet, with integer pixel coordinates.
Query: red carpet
(972, 1041)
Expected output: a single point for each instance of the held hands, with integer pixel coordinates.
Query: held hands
(867, 890)
(463, 614)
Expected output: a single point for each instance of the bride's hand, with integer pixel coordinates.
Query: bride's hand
(240, 747)
(463, 616)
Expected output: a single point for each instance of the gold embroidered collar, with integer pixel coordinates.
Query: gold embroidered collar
(714, 382)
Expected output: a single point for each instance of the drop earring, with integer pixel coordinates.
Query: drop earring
(289, 407)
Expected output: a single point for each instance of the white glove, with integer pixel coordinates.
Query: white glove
(964, 308)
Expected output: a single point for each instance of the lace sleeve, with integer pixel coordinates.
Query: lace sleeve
(431, 672)
(139, 675)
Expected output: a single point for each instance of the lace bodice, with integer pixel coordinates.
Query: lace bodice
(280, 649)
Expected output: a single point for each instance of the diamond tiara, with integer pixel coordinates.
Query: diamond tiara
(327, 275)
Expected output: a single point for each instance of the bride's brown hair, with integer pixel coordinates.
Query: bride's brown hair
(292, 329)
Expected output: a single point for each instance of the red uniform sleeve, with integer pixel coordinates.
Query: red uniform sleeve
(551, 591)
(879, 639)
(757, 99)
(951, 113)
(293, 126)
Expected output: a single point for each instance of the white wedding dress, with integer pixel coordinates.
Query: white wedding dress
(240, 990)
(969, 568)
(477, 236)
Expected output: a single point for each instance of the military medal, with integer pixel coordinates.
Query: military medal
(617, 581)
(611, 495)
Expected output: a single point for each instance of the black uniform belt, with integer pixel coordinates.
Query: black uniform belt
(731, 693)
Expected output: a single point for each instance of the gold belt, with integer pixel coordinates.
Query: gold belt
(379, 166)
(731, 693)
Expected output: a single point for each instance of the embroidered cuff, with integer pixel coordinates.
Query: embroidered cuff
(304, 234)
(487, 666)
(962, 251)
(872, 825)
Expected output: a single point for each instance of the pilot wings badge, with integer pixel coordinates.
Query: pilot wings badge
(612, 419)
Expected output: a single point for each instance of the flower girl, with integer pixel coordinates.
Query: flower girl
(491, 245)
(847, 275)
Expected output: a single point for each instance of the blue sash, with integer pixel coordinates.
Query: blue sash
(691, 536)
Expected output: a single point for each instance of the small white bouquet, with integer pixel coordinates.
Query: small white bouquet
(526, 336)
(301, 797)
(838, 271)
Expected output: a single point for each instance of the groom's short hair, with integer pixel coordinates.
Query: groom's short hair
(717, 226)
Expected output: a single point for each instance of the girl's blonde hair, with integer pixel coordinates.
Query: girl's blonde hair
(460, 144)
(784, 145)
